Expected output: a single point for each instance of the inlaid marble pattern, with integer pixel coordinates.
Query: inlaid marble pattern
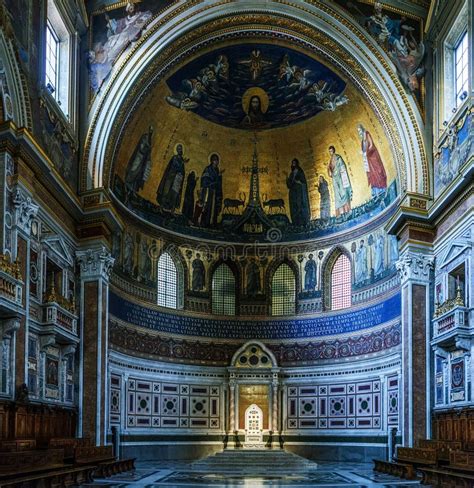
(172, 474)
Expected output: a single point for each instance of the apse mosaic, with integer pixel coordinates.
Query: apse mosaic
(256, 87)
(255, 142)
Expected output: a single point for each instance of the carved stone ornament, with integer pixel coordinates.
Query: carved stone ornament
(463, 344)
(95, 263)
(414, 266)
(25, 210)
(46, 341)
(68, 349)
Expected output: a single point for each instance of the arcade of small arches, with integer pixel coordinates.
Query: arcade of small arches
(282, 284)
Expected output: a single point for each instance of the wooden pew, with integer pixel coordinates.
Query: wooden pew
(18, 445)
(20, 462)
(402, 470)
(65, 477)
(446, 478)
(407, 460)
(462, 461)
(443, 448)
(417, 456)
(102, 457)
(68, 444)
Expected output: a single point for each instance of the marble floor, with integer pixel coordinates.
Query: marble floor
(172, 474)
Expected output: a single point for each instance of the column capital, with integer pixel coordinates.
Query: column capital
(9, 326)
(415, 266)
(25, 210)
(95, 263)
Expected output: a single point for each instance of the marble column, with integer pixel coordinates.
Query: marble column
(8, 331)
(233, 416)
(24, 212)
(274, 426)
(95, 266)
(415, 268)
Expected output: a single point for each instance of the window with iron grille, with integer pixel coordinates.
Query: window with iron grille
(223, 291)
(283, 291)
(167, 282)
(341, 288)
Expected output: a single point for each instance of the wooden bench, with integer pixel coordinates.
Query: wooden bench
(109, 468)
(18, 445)
(93, 455)
(443, 448)
(21, 462)
(446, 478)
(102, 457)
(417, 456)
(468, 446)
(402, 470)
(461, 460)
(68, 444)
(69, 476)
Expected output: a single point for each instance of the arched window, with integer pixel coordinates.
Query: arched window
(170, 282)
(223, 291)
(341, 291)
(283, 291)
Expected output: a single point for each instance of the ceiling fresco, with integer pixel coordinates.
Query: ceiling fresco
(290, 168)
(114, 30)
(399, 33)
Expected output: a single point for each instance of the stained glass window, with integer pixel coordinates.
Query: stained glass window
(283, 291)
(341, 283)
(223, 291)
(167, 282)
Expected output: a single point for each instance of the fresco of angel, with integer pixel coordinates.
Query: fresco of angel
(120, 34)
(407, 55)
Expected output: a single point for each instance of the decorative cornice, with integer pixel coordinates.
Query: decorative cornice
(129, 340)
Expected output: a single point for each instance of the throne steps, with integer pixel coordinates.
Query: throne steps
(254, 461)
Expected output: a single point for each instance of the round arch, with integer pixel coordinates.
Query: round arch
(181, 272)
(327, 266)
(253, 348)
(325, 29)
(270, 273)
(233, 266)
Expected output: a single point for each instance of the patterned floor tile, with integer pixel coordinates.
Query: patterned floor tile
(179, 474)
